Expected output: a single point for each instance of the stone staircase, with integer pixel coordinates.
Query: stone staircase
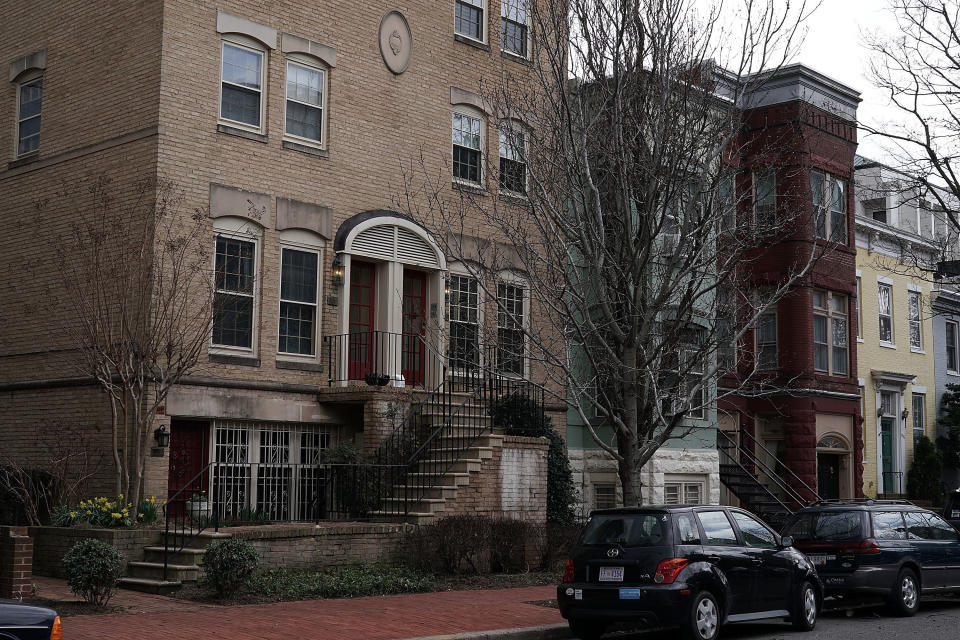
(183, 567)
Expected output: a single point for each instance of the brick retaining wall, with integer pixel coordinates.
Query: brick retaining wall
(16, 558)
(52, 543)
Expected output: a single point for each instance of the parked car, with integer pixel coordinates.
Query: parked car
(694, 567)
(887, 548)
(951, 510)
(23, 622)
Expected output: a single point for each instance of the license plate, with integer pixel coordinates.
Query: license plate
(611, 574)
(821, 558)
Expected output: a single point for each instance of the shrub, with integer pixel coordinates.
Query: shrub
(450, 545)
(229, 565)
(508, 545)
(342, 582)
(93, 568)
(519, 415)
(924, 477)
(555, 542)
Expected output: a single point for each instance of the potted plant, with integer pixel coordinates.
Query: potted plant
(376, 379)
(198, 507)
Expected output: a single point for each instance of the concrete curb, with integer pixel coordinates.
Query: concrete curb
(560, 631)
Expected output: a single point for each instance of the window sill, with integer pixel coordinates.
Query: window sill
(471, 42)
(306, 148)
(888, 345)
(300, 366)
(24, 160)
(515, 198)
(243, 361)
(920, 351)
(860, 340)
(954, 373)
(470, 188)
(515, 58)
(241, 133)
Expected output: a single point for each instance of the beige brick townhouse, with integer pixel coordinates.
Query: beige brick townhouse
(289, 123)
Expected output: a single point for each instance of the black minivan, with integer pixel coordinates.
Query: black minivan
(696, 567)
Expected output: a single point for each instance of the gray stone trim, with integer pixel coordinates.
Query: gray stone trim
(24, 160)
(230, 201)
(236, 360)
(36, 60)
(326, 54)
(292, 214)
(227, 23)
(305, 148)
(300, 366)
(241, 133)
(252, 385)
(48, 383)
(462, 96)
(506, 55)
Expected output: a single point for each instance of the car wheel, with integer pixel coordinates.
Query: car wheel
(805, 608)
(703, 619)
(905, 599)
(587, 630)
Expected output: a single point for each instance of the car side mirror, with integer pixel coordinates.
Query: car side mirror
(786, 541)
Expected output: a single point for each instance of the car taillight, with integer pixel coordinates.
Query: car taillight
(668, 569)
(867, 546)
(568, 571)
(56, 633)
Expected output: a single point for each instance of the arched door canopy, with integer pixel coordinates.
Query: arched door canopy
(391, 236)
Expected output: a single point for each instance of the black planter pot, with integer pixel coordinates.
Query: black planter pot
(376, 379)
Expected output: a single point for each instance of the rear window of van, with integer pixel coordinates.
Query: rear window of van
(826, 526)
(628, 530)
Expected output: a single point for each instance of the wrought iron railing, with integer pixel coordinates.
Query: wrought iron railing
(381, 358)
(892, 481)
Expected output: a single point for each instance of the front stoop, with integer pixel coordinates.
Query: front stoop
(183, 567)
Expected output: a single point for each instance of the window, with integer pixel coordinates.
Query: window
(830, 352)
(683, 493)
(885, 311)
(241, 99)
(888, 525)
(468, 18)
(30, 99)
(306, 99)
(919, 417)
(513, 165)
(754, 533)
(766, 335)
(951, 340)
(916, 329)
(514, 27)
(859, 314)
(467, 148)
(687, 531)
(298, 302)
(765, 199)
(604, 496)
(717, 528)
(233, 302)
(464, 323)
(726, 318)
(829, 193)
(511, 341)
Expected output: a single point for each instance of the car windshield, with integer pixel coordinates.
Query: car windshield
(628, 530)
(826, 526)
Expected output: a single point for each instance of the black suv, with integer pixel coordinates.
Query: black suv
(696, 567)
(888, 548)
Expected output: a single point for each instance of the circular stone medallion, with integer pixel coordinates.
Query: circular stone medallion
(396, 43)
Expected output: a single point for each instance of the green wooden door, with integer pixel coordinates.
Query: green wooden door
(886, 453)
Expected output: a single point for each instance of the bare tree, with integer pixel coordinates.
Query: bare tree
(136, 275)
(628, 214)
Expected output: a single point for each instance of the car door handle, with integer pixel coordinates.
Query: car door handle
(713, 559)
(756, 561)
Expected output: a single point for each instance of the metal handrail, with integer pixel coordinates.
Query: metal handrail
(180, 533)
(772, 474)
(788, 470)
(737, 462)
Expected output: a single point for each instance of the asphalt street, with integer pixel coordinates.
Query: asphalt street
(938, 619)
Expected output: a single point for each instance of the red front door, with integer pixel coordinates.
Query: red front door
(363, 277)
(414, 313)
(188, 457)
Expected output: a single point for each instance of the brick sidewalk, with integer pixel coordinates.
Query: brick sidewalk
(374, 618)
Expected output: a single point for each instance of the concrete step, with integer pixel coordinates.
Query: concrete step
(440, 491)
(148, 585)
(187, 555)
(481, 439)
(462, 465)
(154, 571)
(477, 453)
(196, 541)
(426, 505)
(456, 478)
(414, 517)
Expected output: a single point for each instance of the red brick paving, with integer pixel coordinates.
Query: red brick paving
(375, 618)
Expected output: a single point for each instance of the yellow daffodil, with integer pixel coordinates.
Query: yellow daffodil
(73, 515)
(116, 516)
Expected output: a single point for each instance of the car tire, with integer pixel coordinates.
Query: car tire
(703, 618)
(905, 598)
(587, 630)
(804, 616)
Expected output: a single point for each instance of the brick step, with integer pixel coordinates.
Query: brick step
(148, 585)
(154, 570)
(187, 555)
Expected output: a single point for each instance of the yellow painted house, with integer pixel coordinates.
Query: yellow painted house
(895, 350)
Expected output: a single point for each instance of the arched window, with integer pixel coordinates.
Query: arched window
(831, 441)
(469, 137)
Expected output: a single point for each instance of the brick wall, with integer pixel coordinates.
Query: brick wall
(16, 562)
(52, 543)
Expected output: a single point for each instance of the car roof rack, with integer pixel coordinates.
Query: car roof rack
(863, 501)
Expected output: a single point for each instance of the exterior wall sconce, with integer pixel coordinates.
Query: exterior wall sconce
(906, 412)
(879, 412)
(162, 437)
(337, 278)
(446, 289)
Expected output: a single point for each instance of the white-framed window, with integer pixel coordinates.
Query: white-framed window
(604, 495)
(830, 349)
(829, 207)
(305, 115)
(513, 158)
(235, 273)
(241, 82)
(885, 311)
(919, 416)
(859, 311)
(515, 27)
(468, 138)
(464, 348)
(765, 199)
(299, 293)
(914, 302)
(512, 319)
(766, 340)
(470, 19)
(682, 491)
(29, 104)
(951, 334)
